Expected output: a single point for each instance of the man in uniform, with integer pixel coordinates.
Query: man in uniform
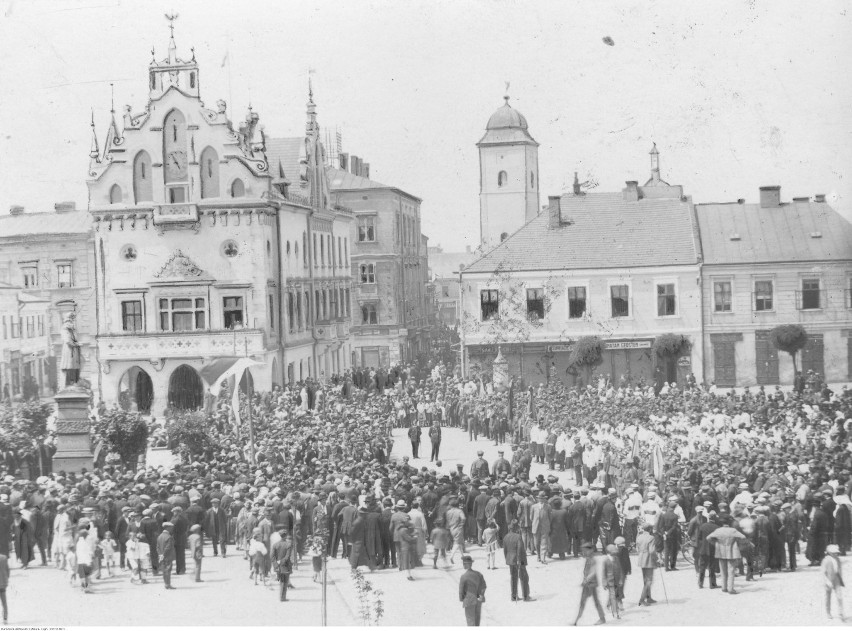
(471, 592)
(516, 559)
(501, 465)
(414, 433)
(479, 467)
(166, 553)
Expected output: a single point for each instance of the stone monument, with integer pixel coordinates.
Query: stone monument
(500, 372)
(73, 445)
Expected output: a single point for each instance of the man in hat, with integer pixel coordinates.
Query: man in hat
(646, 546)
(398, 520)
(471, 592)
(180, 533)
(216, 526)
(589, 584)
(501, 465)
(479, 467)
(480, 503)
(166, 553)
(516, 558)
(435, 439)
(148, 527)
(414, 433)
(541, 521)
(282, 562)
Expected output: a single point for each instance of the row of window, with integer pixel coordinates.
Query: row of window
(327, 304)
(408, 230)
(619, 299)
(324, 251)
(503, 179)
(185, 314)
(64, 275)
(15, 327)
(810, 296)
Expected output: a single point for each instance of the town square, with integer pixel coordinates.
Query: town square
(304, 322)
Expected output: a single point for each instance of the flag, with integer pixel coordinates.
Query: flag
(657, 462)
(219, 371)
(635, 451)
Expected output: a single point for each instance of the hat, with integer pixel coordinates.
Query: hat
(832, 549)
(743, 486)
(402, 504)
(466, 558)
(215, 500)
(611, 549)
(480, 452)
(620, 541)
(483, 487)
(168, 524)
(194, 528)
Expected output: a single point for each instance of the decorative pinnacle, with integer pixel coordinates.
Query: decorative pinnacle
(112, 98)
(171, 18)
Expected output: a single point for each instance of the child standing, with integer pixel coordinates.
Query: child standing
(489, 538)
(71, 563)
(108, 550)
(142, 557)
(440, 538)
(257, 554)
(316, 558)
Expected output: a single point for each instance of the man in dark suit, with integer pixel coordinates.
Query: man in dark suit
(347, 517)
(471, 592)
(195, 513)
(180, 533)
(435, 438)
(706, 551)
(414, 433)
(668, 532)
(216, 526)
(516, 558)
(122, 534)
(166, 553)
(148, 527)
(577, 523)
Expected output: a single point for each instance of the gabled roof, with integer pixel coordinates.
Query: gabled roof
(71, 222)
(770, 235)
(600, 231)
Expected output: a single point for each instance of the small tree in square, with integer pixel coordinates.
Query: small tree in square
(790, 338)
(124, 433)
(586, 355)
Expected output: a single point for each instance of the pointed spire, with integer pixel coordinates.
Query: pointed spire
(172, 46)
(113, 134)
(94, 151)
(311, 125)
(655, 163)
(506, 96)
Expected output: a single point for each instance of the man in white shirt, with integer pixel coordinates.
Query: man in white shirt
(632, 513)
(651, 510)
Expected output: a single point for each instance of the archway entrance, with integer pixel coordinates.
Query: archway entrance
(186, 391)
(246, 382)
(276, 373)
(135, 391)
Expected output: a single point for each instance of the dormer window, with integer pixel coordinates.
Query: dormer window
(143, 190)
(115, 194)
(238, 189)
(191, 79)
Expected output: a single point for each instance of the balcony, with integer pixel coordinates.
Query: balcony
(183, 344)
(170, 214)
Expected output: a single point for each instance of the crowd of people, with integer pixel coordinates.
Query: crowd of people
(747, 481)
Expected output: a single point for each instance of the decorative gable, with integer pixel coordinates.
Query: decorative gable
(181, 269)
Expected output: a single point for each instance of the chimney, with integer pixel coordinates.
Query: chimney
(366, 169)
(770, 196)
(344, 161)
(554, 212)
(802, 200)
(356, 165)
(16, 210)
(577, 190)
(64, 207)
(819, 198)
(631, 192)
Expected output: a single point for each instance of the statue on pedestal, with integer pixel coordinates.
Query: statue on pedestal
(71, 361)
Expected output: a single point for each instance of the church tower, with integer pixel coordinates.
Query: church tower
(508, 176)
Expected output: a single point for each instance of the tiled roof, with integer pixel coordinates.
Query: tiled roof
(343, 180)
(600, 230)
(72, 222)
(768, 235)
(289, 153)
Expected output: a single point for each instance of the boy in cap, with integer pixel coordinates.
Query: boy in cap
(195, 543)
(832, 574)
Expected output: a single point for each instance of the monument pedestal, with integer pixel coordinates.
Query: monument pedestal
(73, 446)
(500, 372)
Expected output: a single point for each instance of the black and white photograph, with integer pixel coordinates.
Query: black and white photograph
(435, 313)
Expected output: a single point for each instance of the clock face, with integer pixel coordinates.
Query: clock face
(176, 166)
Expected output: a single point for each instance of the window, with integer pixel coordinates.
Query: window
(666, 304)
(620, 299)
(316, 257)
(304, 249)
(40, 320)
(532, 179)
(238, 189)
(368, 314)
(182, 314)
(445, 291)
(191, 79)
(209, 173)
(299, 324)
(810, 293)
(322, 250)
(233, 311)
(332, 297)
(290, 313)
(535, 304)
(63, 275)
(30, 274)
(307, 309)
(339, 252)
(319, 313)
(763, 295)
(348, 304)
(30, 326)
(501, 178)
(722, 296)
(143, 189)
(131, 315)
(489, 304)
(346, 249)
(115, 194)
(576, 302)
(16, 327)
(368, 273)
(5, 329)
(367, 228)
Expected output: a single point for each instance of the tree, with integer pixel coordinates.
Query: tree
(790, 338)
(670, 345)
(124, 433)
(189, 435)
(23, 427)
(586, 355)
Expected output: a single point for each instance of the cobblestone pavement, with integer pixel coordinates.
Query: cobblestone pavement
(42, 596)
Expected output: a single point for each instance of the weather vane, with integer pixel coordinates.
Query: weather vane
(171, 18)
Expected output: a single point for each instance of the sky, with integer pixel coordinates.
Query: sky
(736, 95)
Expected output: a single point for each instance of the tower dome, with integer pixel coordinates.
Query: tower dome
(506, 117)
